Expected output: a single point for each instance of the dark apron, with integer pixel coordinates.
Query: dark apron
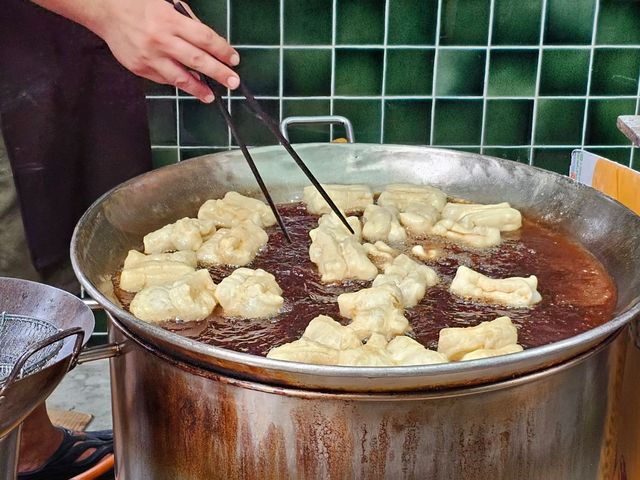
(74, 122)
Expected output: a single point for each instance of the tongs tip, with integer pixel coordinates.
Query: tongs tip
(346, 224)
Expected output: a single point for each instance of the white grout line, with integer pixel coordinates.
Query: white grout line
(486, 75)
(435, 73)
(384, 68)
(229, 139)
(594, 31)
(413, 97)
(434, 47)
(546, 147)
(543, 17)
(178, 125)
(281, 66)
(334, 29)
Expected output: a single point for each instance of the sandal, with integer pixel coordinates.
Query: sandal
(105, 435)
(64, 463)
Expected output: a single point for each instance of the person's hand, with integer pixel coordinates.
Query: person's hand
(154, 41)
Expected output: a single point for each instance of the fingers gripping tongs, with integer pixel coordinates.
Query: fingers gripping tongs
(272, 125)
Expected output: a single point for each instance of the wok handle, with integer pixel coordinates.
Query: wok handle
(318, 120)
(92, 304)
(88, 301)
(100, 352)
(17, 368)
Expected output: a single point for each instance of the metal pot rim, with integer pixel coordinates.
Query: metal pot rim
(374, 396)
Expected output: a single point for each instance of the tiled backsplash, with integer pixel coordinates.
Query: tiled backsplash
(526, 80)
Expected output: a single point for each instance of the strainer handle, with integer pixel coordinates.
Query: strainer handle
(15, 371)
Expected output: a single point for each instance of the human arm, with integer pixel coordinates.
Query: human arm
(154, 41)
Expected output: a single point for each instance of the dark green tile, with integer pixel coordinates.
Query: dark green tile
(312, 134)
(516, 154)
(153, 88)
(252, 130)
(305, 108)
(164, 156)
(162, 121)
(259, 69)
(96, 340)
(460, 72)
(555, 159)
(211, 13)
(457, 122)
(407, 121)
(187, 153)
(307, 73)
(620, 155)
(412, 22)
(464, 22)
(516, 22)
(255, 22)
(512, 73)
(100, 317)
(364, 114)
(358, 72)
(569, 22)
(468, 149)
(615, 71)
(409, 72)
(308, 133)
(360, 22)
(559, 122)
(201, 124)
(564, 72)
(618, 22)
(508, 122)
(308, 22)
(601, 121)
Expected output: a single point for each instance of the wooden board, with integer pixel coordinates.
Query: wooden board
(630, 126)
(72, 420)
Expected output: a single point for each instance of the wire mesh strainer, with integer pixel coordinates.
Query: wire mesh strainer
(20, 334)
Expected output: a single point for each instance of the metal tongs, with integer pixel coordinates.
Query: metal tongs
(272, 125)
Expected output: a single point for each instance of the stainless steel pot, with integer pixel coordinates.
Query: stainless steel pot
(202, 380)
(173, 420)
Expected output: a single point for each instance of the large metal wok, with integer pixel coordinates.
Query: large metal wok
(118, 221)
(187, 410)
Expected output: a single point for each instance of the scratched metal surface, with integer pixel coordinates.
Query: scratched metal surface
(175, 421)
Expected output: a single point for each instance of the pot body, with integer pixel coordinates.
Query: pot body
(173, 420)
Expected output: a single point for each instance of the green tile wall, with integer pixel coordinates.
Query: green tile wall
(526, 80)
(460, 72)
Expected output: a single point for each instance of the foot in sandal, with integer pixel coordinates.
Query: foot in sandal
(80, 456)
